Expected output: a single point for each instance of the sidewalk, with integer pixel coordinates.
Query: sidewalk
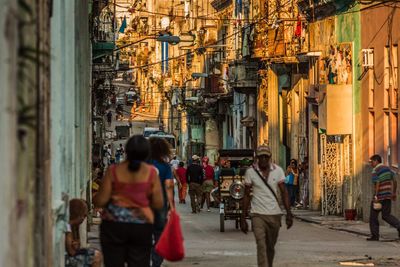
(387, 233)
(93, 238)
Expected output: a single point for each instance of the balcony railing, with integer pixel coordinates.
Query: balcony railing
(282, 42)
(214, 85)
(243, 75)
(323, 8)
(221, 4)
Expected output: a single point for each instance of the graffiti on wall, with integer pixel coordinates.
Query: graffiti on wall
(336, 68)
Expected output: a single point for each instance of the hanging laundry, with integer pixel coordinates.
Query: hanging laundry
(297, 32)
(123, 25)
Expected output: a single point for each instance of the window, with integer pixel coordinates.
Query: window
(394, 74)
(386, 77)
(394, 144)
(371, 133)
(371, 87)
(390, 106)
(386, 133)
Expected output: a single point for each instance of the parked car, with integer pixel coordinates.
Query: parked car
(233, 164)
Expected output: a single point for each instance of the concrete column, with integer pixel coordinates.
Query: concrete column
(211, 140)
(314, 177)
(273, 113)
(261, 113)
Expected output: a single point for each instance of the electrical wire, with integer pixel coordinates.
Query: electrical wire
(202, 17)
(213, 43)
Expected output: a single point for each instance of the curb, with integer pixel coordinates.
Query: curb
(330, 227)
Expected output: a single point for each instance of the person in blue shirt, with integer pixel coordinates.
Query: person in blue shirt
(160, 153)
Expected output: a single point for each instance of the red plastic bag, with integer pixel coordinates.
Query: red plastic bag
(170, 244)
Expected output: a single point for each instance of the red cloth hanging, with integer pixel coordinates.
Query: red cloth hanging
(297, 32)
(170, 244)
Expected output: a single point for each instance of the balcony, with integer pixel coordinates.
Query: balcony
(214, 85)
(323, 8)
(221, 4)
(243, 76)
(283, 45)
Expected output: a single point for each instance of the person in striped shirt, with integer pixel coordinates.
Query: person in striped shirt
(384, 192)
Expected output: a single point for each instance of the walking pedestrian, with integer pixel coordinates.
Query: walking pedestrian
(194, 176)
(264, 178)
(181, 176)
(129, 193)
(160, 152)
(174, 163)
(208, 182)
(384, 188)
(304, 182)
(77, 255)
(119, 155)
(292, 181)
(109, 153)
(109, 118)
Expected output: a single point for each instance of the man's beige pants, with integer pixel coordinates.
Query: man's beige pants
(266, 230)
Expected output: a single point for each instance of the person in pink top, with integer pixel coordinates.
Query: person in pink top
(208, 183)
(129, 193)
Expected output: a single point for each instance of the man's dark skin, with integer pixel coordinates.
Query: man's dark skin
(264, 164)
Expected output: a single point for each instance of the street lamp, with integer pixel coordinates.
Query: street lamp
(171, 39)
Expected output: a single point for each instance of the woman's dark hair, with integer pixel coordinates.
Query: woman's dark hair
(181, 164)
(293, 161)
(376, 158)
(137, 150)
(160, 149)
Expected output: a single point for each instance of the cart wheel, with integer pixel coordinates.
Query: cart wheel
(222, 222)
(237, 223)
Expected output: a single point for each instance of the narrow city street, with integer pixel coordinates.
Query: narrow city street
(304, 245)
(266, 106)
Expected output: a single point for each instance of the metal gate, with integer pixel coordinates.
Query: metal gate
(335, 168)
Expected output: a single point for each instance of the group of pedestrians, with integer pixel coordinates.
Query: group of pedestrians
(110, 158)
(296, 181)
(199, 178)
(135, 197)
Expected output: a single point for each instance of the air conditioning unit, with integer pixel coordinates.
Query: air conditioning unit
(368, 58)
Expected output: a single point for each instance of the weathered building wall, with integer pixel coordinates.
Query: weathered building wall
(337, 39)
(24, 67)
(9, 246)
(379, 95)
(70, 110)
(348, 30)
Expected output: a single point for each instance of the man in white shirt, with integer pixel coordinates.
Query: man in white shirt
(174, 163)
(265, 178)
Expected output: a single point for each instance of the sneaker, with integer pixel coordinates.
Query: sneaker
(373, 238)
(208, 210)
(193, 211)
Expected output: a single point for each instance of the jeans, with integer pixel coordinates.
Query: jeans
(195, 193)
(386, 216)
(292, 192)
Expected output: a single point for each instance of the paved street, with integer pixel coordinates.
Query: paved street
(305, 244)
